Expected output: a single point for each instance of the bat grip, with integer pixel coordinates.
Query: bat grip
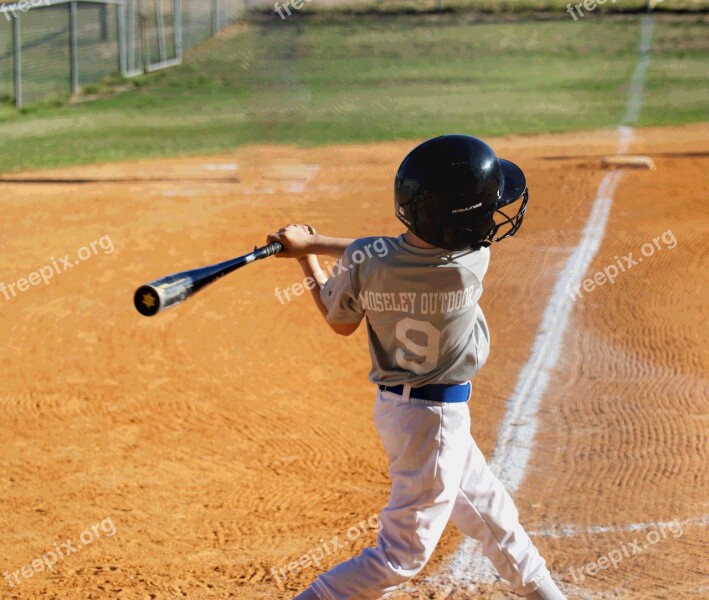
(272, 248)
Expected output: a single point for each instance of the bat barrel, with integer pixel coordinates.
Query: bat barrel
(147, 300)
(161, 294)
(152, 298)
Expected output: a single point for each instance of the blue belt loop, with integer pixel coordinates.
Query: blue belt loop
(406, 395)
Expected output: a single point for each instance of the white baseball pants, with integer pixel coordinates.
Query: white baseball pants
(438, 474)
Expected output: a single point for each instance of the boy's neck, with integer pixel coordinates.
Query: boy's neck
(412, 239)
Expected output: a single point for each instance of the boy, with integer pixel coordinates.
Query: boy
(427, 337)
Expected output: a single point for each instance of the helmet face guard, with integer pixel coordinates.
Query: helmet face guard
(507, 226)
(453, 192)
(502, 224)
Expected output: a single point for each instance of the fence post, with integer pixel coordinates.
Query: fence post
(145, 47)
(215, 17)
(177, 16)
(74, 47)
(160, 30)
(121, 32)
(103, 19)
(131, 39)
(17, 62)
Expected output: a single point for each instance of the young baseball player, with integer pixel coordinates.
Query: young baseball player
(428, 337)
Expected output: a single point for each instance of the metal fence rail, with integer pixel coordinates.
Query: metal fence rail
(51, 48)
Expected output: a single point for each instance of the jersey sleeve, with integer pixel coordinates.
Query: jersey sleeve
(339, 294)
(477, 262)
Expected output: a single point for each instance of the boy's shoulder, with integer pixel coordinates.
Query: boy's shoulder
(374, 247)
(374, 251)
(377, 243)
(476, 261)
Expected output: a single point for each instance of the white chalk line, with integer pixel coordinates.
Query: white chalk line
(637, 82)
(567, 531)
(514, 447)
(519, 425)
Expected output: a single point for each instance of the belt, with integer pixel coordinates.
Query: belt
(436, 392)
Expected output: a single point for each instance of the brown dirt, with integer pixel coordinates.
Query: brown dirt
(233, 434)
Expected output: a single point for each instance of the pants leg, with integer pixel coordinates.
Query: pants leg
(485, 511)
(425, 445)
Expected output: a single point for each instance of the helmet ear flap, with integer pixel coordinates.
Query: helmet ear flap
(475, 237)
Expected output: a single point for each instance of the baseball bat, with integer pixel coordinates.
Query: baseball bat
(161, 294)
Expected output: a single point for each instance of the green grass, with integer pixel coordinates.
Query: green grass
(333, 79)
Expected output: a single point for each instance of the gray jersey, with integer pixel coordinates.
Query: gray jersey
(421, 306)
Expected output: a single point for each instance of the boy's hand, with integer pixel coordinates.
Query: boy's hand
(296, 239)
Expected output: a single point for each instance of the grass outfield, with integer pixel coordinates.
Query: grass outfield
(331, 80)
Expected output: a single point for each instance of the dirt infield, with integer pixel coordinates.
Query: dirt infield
(213, 446)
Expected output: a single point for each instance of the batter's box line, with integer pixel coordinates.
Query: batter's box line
(566, 531)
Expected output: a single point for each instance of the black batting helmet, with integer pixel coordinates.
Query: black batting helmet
(451, 189)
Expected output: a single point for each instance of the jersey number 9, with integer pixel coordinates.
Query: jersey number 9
(427, 353)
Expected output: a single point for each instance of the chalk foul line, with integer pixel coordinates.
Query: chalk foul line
(510, 458)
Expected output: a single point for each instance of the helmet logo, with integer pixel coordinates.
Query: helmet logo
(462, 210)
(401, 213)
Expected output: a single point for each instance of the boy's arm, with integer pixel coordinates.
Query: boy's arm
(324, 245)
(298, 242)
(311, 268)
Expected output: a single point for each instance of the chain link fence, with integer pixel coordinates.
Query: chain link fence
(51, 48)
